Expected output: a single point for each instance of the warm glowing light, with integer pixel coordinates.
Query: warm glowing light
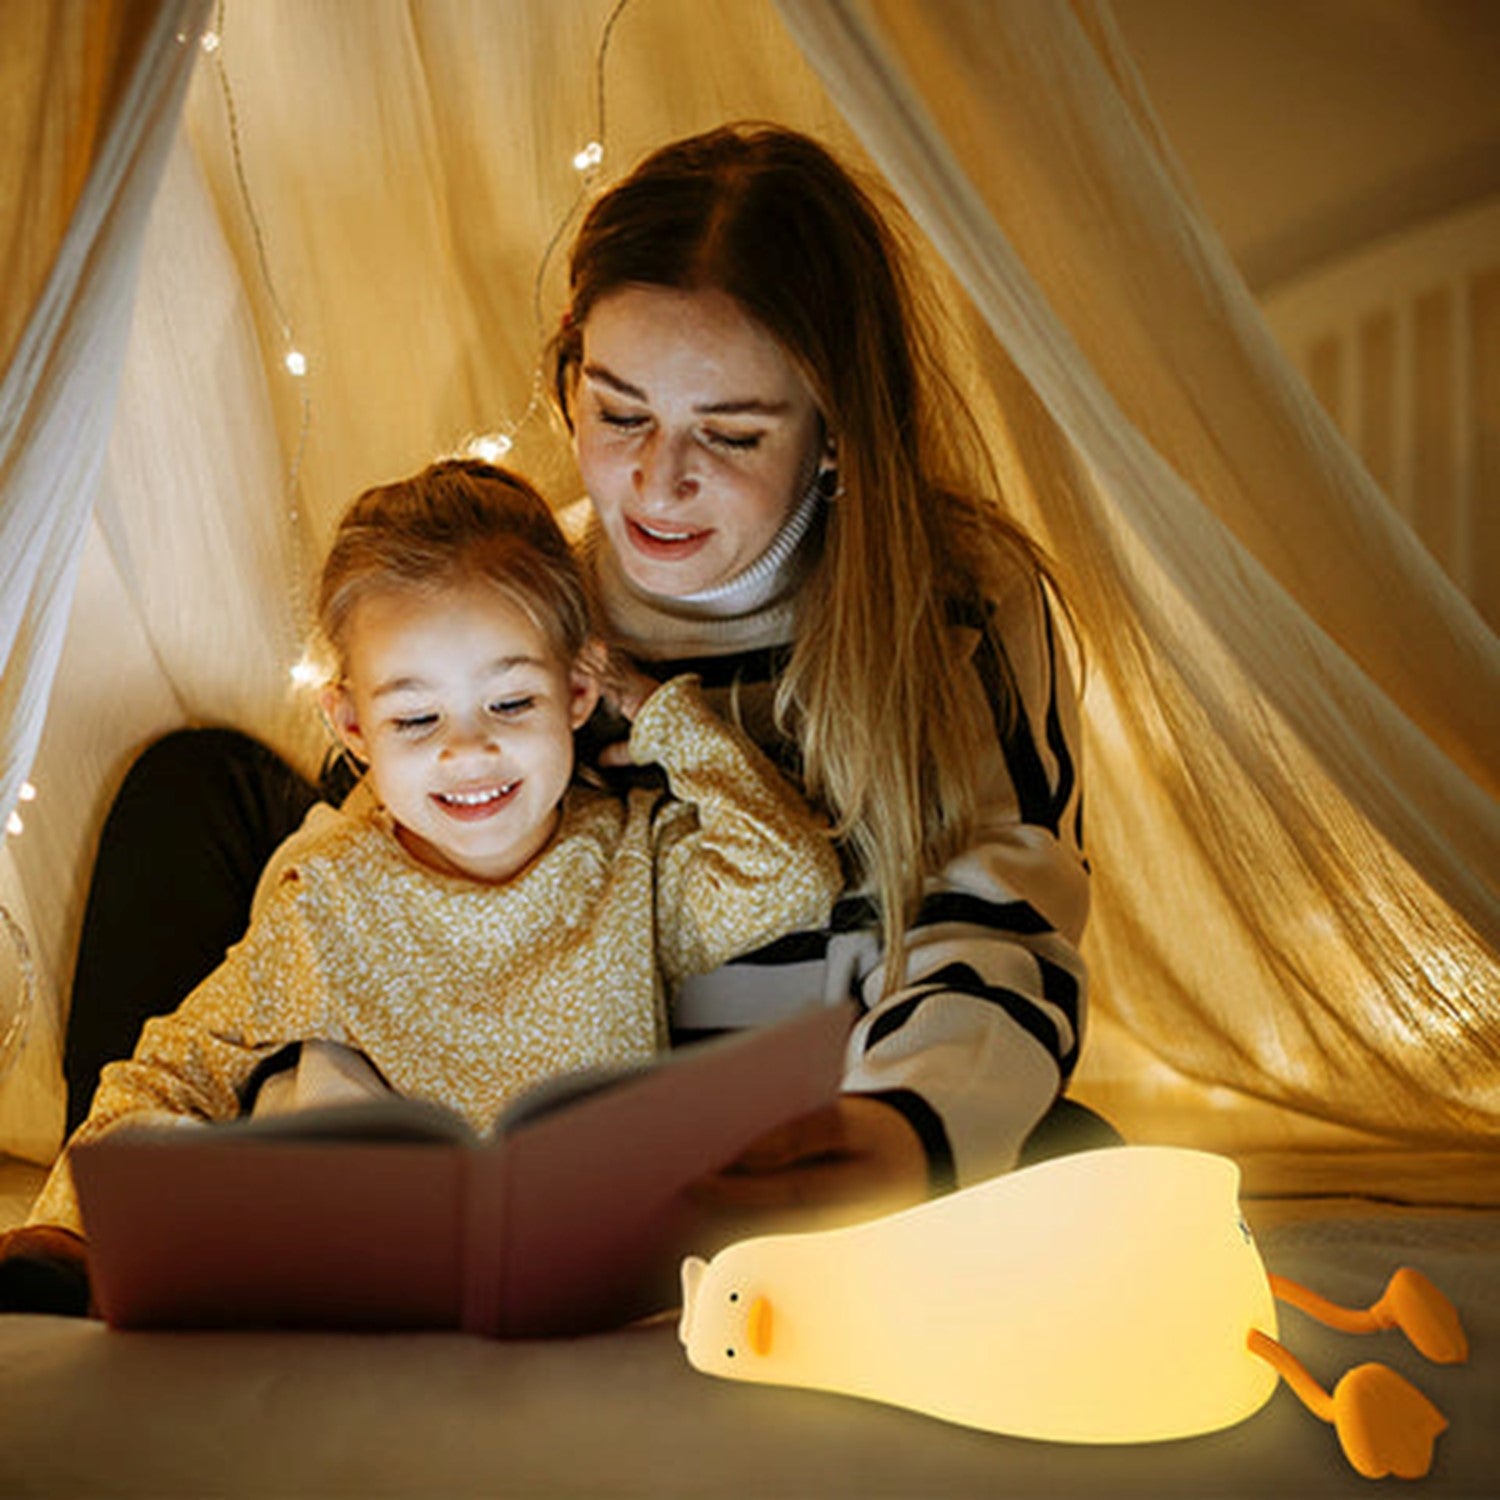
(491, 447)
(305, 672)
(210, 41)
(13, 824)
(296, 362)
(589, 157)
(1111, 1297)
(27, 792)
(1101, 1298)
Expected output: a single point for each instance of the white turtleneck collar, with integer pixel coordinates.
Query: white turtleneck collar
(755, 608)
(762, 581)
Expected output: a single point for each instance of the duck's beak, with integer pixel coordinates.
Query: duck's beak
(758, 1327)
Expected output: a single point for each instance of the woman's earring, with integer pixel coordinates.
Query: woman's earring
(830, 486)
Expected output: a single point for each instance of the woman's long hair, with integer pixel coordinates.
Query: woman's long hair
(891, 730)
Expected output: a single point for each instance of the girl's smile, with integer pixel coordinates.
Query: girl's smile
(475, 805)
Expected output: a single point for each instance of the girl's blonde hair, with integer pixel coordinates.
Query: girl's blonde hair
(457, 521)
(891, 730)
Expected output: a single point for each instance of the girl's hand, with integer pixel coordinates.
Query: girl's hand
(44, 1269)
(624, 688)
(853, 1160)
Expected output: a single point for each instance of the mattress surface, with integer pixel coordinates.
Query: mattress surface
(87, 1411)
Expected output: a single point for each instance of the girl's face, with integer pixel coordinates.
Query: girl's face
(695, 434)
(465, 716)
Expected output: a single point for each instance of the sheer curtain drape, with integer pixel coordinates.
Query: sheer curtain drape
(1296, 715)
(91, 96)
(1292, 717)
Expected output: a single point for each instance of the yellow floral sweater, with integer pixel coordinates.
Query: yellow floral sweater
(468, 993)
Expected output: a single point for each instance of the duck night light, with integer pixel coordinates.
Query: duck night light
(1116, 1296)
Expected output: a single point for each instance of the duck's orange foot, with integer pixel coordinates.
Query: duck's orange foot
(1385, 1424)
(1425, 1316)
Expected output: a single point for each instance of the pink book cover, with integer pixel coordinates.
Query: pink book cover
(568, 1218)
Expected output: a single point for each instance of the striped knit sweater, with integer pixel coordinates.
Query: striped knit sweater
(983, 1032)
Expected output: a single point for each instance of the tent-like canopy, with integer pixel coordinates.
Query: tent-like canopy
(1292, 715)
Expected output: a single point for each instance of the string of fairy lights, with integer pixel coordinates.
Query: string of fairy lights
(493, 446)
(293, 360)
(587, 161)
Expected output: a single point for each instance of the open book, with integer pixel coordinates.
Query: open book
(568, 1217)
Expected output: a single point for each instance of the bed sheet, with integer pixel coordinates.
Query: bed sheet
(88, 1412)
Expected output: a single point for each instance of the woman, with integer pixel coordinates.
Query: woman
(782, 494)
(781, 484)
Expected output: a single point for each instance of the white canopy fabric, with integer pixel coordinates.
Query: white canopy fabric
(1292, 717)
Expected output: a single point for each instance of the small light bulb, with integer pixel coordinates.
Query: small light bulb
(209, 41)
(590, 156)
(491, 448)
(304, 673)
(13, 824)
(28, 792)
(296, 362)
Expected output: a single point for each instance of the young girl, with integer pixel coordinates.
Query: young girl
(486, 921)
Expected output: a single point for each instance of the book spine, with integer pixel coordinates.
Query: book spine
(481, 1237)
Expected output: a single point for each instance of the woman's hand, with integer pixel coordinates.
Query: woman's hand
(44, 1269)
(850, 1161)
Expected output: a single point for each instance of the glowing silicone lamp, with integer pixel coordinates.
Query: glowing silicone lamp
(1115, 1296)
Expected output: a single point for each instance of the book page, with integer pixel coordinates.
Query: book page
(579, 1218)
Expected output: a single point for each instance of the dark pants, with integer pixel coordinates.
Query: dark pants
(199, 815)
(184, 844)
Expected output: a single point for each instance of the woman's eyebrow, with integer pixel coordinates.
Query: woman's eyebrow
(614, 382)
(749, 406)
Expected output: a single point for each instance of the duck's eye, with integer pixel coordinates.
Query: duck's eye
(734, 1296)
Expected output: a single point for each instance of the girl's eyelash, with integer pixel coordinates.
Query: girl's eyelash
(738, 444)
(505, 708)
(626, 420)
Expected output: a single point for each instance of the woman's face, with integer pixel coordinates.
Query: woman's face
(695, 433)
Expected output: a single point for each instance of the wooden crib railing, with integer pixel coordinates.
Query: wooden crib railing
(1401, 343)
